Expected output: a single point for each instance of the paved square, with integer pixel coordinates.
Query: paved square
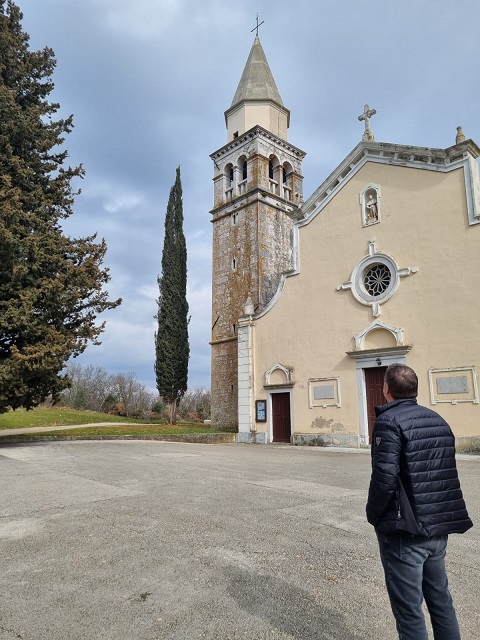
(145, 540)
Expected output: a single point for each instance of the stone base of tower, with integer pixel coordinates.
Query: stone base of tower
(224, 391)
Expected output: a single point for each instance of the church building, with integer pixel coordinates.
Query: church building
(314, 297)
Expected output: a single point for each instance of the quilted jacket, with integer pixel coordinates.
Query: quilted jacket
(414, 488)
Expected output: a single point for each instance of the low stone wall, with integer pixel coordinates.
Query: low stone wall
(205, 438)
(468, 444)
(325, 440)
(304, 439)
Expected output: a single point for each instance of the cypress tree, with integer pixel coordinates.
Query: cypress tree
(51, 285)
(171, 339)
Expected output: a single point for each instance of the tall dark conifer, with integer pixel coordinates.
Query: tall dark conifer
(171, 339)
(50, 284)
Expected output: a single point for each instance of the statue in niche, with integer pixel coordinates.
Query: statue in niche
(372, 209)
(371, 206)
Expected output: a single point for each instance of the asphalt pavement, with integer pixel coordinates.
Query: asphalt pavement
(148, 540)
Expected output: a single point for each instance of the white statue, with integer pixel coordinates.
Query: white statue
(372, 209)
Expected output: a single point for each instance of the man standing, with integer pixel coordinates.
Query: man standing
(414, 502)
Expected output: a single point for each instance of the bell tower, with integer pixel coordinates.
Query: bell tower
(257, 192)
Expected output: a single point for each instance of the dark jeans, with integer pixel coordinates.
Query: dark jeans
(414, 570)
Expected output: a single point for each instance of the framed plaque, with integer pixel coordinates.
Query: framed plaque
(324, 392)
(453, 385)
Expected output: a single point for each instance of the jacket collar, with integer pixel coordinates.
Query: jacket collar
(390, 405)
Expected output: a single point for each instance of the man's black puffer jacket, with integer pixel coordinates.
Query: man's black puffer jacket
(414, 487)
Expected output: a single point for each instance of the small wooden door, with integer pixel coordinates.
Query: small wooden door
(374, 389)
(281, 417)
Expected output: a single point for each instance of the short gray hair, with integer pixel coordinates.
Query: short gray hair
(402, 381)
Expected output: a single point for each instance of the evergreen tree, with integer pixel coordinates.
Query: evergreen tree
(50, 284)
(171, 339)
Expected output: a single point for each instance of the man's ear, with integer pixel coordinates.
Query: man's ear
(386, 393)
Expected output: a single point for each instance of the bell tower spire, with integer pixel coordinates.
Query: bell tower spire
(257, 99)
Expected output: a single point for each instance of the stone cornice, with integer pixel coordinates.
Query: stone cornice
(223, 340)
(381, 351)
(252, 134)
(257, 194)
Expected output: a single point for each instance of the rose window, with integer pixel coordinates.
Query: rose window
(377, 279)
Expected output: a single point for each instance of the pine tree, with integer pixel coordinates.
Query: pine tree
(51, 285)
(171, 339)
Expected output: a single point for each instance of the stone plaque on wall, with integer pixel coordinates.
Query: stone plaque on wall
(453, 385)
(324, 392)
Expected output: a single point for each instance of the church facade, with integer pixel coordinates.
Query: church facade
(314, 298)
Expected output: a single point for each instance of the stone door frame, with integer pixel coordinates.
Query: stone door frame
(365, 360)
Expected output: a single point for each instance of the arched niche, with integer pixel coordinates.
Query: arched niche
(379, 339)
(370, 204)
(378, 335)
(278, 375)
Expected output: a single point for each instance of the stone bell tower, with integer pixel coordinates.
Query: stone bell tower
(257, 192)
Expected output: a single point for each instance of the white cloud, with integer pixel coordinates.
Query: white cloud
(113, 197)
(122, 201)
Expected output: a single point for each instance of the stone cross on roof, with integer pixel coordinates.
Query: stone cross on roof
(366, 115)
(258, 25)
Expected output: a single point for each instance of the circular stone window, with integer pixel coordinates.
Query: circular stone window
(377, 279)
(374, 279)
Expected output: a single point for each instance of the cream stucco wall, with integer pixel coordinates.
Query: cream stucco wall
(263, 113)
(311, 326)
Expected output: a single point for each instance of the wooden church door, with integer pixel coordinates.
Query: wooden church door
(374, 390)
(281, 417)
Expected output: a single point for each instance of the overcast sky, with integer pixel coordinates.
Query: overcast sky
(148, 82)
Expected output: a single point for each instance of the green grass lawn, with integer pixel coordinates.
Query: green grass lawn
(62, 416)
(132, 430)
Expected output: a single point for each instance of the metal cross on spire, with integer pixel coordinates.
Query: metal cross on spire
(366, 115)
(258, 25)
